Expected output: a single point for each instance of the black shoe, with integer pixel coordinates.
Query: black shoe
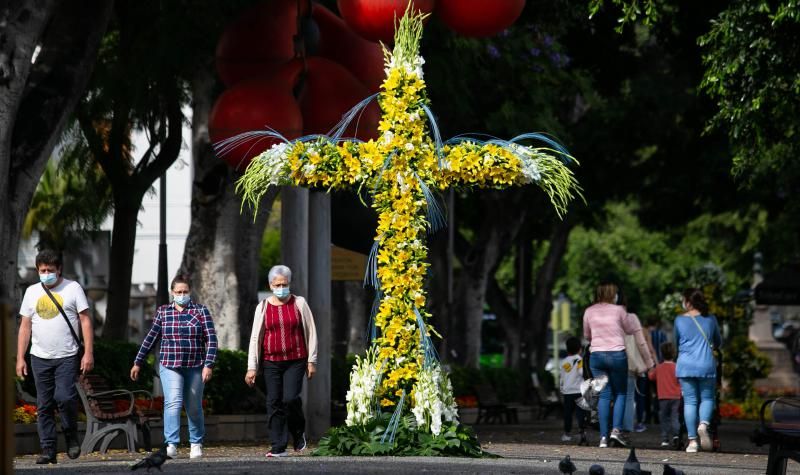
(582, 440)
(73, 445)
(300, 442)
(48, 456)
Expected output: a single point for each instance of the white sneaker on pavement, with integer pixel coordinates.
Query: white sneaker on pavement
(172, 450)
(705, 438)
(692, 447)
(196, 452)
(566, 437)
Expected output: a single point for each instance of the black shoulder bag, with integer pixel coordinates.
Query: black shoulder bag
(81, 348)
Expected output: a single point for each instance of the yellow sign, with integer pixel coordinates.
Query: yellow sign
(347, 264)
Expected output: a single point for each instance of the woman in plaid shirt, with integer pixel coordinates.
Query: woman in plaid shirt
(188, 352)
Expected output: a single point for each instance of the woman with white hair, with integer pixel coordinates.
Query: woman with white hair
(284, 342)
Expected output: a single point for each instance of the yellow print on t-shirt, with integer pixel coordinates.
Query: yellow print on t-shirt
(45, 307)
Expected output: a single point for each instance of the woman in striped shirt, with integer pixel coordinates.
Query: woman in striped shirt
(284, 342)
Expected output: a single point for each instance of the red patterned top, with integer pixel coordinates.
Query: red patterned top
(283, 332)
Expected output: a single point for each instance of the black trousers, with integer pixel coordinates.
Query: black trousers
(284, 381)
(569, 407)
(55, 388)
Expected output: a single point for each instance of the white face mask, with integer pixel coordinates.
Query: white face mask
(684, 305)
(616, 299)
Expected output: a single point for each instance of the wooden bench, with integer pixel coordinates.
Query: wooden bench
(548, 403)
(490, 409)
(781, 431)
(112, 412)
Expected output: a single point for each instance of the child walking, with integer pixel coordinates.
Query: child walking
(571, 378)
(669, 396)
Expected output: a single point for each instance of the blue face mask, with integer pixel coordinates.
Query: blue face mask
(182, 300)
(48, 279)
(281, 292)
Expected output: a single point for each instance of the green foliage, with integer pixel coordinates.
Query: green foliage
(752, 63)
(455, 440)
(226, 391)
(72, 199)
(648, 264)
(113, 361)
(743, 363)
(631, 10)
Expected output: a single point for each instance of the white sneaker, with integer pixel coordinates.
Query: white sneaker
(705, 438)
(566, 438)
(279, 454)
(692, 447)
(172, 450)
(603, 442)
(196, 452)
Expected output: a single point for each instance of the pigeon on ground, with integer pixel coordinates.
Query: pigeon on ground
(632, 466)
(566, 466)
(597, 470)
(155, 459)
(672, 471)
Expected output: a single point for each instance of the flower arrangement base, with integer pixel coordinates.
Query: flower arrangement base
(454, 440)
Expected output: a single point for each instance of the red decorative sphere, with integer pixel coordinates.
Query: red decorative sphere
(258, 42)
(339, 43)
(479, 17)
(375, 19)
(254, 105)
(325, 92)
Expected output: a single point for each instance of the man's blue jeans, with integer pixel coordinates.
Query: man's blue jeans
(614, 364)
(55, 387)
(183, 387)
(698, 393)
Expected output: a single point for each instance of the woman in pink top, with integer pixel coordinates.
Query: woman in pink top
(605, 325)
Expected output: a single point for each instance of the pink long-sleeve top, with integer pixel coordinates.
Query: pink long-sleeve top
(605, 326)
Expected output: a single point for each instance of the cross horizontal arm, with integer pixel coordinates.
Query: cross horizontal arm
(504, 164)
(313, 162)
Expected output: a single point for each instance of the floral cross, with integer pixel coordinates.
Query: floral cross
(399, 170)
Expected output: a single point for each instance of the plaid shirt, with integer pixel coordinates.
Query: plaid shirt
(187, 337)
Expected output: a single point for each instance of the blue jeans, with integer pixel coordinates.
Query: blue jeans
(698, 393)
(634, 401)
(55, 387)
(614, 364)
(183, 387)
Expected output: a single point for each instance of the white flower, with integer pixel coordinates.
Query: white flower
(433, 400)
(363, 382)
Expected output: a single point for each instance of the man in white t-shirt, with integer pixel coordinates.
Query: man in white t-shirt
(54, 351)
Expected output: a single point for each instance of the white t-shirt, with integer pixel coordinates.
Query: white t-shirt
(571, 374)
(50, 336)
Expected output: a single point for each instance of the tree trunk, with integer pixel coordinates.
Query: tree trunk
(221, 255)
(535, 329)
(123, 245)
(37, 99)
(500, 226)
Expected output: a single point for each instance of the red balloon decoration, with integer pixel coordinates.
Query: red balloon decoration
(375, 19)
(339, 43)
(258, 42)
(479, 17)
(254, 105)
(326, 92)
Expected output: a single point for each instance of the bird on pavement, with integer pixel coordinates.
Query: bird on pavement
(672, 471)
(632, 466)
(566, 466)
(597, 470)
(155, 459)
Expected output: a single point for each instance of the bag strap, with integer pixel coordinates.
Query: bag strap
(702, 332)
(63, 314)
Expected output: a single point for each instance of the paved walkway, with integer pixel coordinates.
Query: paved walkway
(524, 448)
